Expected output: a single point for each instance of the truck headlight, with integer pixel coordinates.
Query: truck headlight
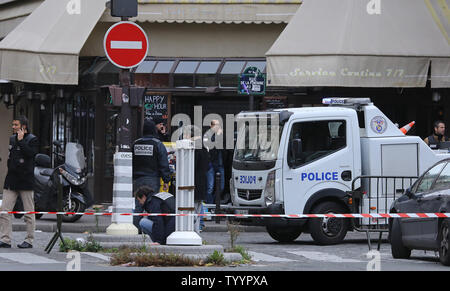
(269, 191)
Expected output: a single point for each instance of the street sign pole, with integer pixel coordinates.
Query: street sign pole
(123, 200)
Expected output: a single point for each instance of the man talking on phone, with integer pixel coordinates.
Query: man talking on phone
(23, 147)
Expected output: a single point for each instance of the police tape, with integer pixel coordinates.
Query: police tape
(334, 215)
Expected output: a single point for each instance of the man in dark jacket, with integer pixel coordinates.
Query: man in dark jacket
(161, 128)
(435, 139)
(157, 227)
(150, 163)
(216, 162)
(23, 146)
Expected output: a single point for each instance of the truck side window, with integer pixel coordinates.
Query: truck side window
(319, 138)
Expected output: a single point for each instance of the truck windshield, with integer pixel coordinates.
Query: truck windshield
(258, 138)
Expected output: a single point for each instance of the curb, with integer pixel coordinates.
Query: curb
(82, 228)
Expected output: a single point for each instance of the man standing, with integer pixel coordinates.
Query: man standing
(216, 158)
(161, 128)
(150, 163)
(438, 135)
(23, 146)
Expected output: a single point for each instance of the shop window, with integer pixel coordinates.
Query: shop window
(146, 67)
(143, 73)
(160, 76)
(184, 74)
(206, 75)
(230, 73)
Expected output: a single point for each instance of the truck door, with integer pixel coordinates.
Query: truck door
(325, 160)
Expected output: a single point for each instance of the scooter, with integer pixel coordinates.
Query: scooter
(76, 196)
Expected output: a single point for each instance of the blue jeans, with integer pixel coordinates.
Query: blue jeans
(146, 226)
(210, 180)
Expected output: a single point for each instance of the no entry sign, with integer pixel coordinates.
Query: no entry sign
(126, 44)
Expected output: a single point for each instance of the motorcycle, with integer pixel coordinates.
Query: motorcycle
(76, 196)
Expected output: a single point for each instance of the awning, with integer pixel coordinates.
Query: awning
(44, 48)
(13, 14)
(218, 11)
(339, 43)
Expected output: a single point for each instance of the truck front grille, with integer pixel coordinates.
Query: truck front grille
(249, 194)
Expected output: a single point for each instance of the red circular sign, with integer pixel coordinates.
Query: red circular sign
(126, 44)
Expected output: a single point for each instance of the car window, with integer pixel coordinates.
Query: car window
(429, 177)
(443, 182)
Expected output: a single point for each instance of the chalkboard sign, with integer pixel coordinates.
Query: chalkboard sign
(275, 102)
(157, 105)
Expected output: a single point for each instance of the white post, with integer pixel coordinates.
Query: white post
(123, 200)
(184, 233)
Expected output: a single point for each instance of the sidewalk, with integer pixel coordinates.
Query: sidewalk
(98, 224)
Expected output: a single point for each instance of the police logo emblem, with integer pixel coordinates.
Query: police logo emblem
(378, 124)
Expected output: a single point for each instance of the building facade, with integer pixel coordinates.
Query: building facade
(197, 51)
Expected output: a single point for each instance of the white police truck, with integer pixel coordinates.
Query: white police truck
(305, 160)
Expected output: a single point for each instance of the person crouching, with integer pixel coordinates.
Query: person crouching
(157, 227)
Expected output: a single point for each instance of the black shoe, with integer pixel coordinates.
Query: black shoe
(4, 245)
(24, 245)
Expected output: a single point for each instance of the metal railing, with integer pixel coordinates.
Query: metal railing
(375, 194)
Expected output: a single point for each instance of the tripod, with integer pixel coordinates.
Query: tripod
(57, 178)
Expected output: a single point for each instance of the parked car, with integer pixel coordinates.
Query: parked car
(429, 194)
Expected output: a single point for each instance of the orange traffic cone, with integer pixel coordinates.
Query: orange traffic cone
(407, 127)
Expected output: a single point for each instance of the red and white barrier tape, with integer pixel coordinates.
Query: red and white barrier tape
(349, 215)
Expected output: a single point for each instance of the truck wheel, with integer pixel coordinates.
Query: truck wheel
(398, 250)
(444, 245)
(284, 234)
(328, 231)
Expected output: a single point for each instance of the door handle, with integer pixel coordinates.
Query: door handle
(346, 175)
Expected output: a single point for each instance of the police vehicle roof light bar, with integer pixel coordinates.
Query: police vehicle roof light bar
(345, 101)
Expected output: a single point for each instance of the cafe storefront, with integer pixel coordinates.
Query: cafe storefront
(60, 74)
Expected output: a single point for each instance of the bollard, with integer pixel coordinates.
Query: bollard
(184, 233)
(217, 184)
(123, 200)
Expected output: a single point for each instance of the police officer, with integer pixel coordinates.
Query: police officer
(150, 163)
(438, 136)
(157, 227)
(23, 146)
